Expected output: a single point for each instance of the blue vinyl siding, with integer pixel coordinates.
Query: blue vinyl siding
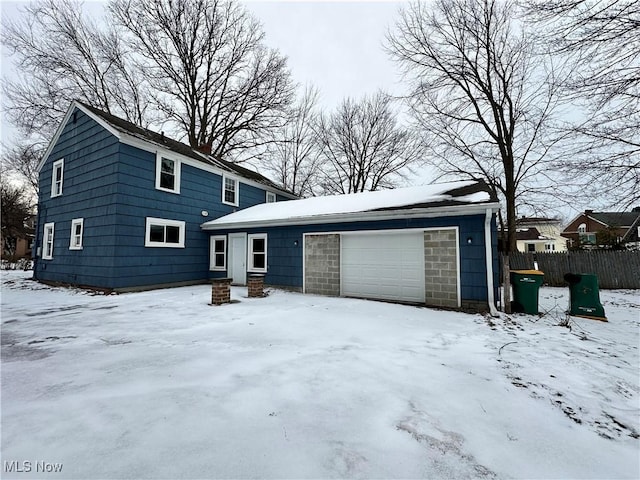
(137, 265)
(112, 186)
(285, 258)
(89, 191)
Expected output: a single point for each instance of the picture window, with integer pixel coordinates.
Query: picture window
(164, 233)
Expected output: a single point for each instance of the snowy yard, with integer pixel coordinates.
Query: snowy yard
(161, 385)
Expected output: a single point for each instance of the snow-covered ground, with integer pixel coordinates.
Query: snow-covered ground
(161, 385)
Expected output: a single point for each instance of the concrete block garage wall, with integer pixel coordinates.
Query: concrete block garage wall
(322, 264)
(441, 268)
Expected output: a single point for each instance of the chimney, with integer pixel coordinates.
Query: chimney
(205, 148)
(588, 212)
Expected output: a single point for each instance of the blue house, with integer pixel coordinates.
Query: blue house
(124, 208)
(433, 245)
(120, 206)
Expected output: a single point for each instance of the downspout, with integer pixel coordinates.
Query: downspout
(489, 263)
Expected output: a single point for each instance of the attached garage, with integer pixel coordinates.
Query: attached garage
(431, 245)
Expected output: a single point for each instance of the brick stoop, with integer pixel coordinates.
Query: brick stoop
(255, 286)
(220, 291)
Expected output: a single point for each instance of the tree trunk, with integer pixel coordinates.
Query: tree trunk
(506, 284)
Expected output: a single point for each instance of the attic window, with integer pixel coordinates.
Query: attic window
(582, 228)
(57, 176)
(167, 174)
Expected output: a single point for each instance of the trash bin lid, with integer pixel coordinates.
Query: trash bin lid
(528, 272)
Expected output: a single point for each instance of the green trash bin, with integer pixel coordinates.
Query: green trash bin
(584, 296)
(525, 284)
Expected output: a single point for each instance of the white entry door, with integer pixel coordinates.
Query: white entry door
(385, 266)
(238, 258)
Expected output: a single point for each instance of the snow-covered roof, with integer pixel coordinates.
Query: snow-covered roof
(455, 197)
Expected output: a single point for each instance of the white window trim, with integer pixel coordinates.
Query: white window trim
(47, 254)
(177, 170)
(165, 223)
(250, 266)
(236, 193)
(57, 164)
(582, 228)
(74, 222)
(272, 196)
(212, 260)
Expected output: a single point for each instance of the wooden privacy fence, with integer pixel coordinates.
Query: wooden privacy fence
(615, 269)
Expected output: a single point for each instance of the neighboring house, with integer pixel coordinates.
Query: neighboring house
(603, 229)
(433, 245)
(120, 206)
(539, 234)
(19, 246)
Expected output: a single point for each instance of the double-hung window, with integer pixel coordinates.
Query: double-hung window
(77, 230)
(57, 176)
(161, 232)
(167, 174)
(218, 250)
(257, 252)
(47, 241)
(230, 191)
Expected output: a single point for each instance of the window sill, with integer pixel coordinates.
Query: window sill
(176, 192)
(163, 245)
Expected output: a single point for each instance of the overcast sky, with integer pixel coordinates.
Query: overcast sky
(337, 46)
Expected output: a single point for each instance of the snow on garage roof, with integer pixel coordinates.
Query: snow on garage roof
(366, 205)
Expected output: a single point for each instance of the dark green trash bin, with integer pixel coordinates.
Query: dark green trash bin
(584, 296)
(525, 284)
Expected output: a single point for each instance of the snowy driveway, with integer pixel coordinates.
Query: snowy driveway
(161, 385)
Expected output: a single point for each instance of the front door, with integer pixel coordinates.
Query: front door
(238, 258)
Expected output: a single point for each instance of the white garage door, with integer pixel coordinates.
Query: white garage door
(383, 266)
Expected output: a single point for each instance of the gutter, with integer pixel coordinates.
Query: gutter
(489, 262)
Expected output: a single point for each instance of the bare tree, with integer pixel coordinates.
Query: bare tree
(477, 88)
(292, 156)
(208, 70)
(22, 161)
(601, 40)
(363, 147)
(60, 56)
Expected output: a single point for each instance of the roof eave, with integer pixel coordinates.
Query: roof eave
(378, 215)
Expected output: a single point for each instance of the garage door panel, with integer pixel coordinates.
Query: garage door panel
(383, 266)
